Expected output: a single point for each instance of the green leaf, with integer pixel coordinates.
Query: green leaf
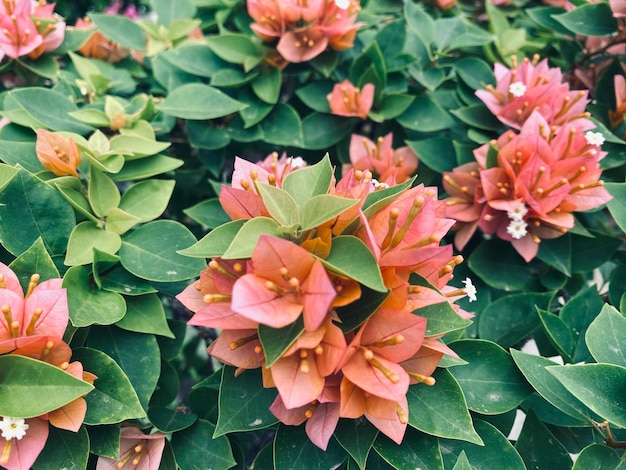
(208, 213)
(321, 131)
(45, 66)
(243, 244)
(462, 463)
(135, 146)
(599, 386)
(113, 400)
(203, 135)
(293, 450)
(534, 369)
(121, 281)
(231, 47)
(199, 101)
(170, 10)
(598, 457)
(605, 337)
(393, 105)
(283, 126)
(476, 73)
(64, 449)
(617, 205)
(477, 115)
(497, 451)
(418, 450)
(578, 313)
(322, 208)
(267, 85)
(145, 314)
(539, 448)
(34, 260)
(276, 341)
(309, 181)
(243, 404)
(151, 252)
(279, 204)
(216, 242)
(441, 410)
(557, 253)
(350, 257)
(420, 22)
(425, 115)
(437, 153)
(147, 200)
(457, 33)
(40, 387)
(86, 237)
(558, 332)
(356, 437)
(520, 319)
(103, 193)
(32, 209)
(147, 167)
(196, 449)
(442, 318)
(119, 221)
(314, 95)
(589, 20)
(104, 440)
(196, 59)
(168, 420)
(120, 29)
(20, 153)
(589, 253)
(544, 16)
(90, 306)
(491, 382)
(357, 312)
(49, 108)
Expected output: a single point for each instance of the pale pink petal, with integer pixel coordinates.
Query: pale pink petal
(322, 424)
(25, 451)
(297, 386)
(372, 379)
(318, 294)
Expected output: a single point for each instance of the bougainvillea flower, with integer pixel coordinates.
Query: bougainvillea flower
(238, 348)
(58, 154)
(98, 46)
(138, 451)
(71, 416)
(348, 100)
(210, 296)
(299, 375)
(616, 116)
(286, 281)
(618, 7)
(42, 311)
(50, 27)
(18, 33)
(302, 45)
(540, 177)
(533, 86)
(21, 441)
(381, 159)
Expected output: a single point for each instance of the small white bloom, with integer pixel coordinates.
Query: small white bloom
(469, 289)
(518, 212)
(13, 428)
(342, 4)
(517, 229)
(378, 185)
(517, 89)
(594, 138)
(297, 162)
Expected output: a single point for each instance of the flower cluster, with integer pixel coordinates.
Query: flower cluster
(534, 86)
(33, 325)
(138, 451)
(524, 187)
(349, 279)
(29, 28)
(305, 28)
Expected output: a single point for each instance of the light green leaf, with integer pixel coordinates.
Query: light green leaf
(170, 10)
(216, 242)
(198, 101)
(120, 222)
(113, 399)
(90, 306)
(231, 47)
(606, 337)
(267, 85)
(322, 208)
(243, 244)
(103, 193)
(120, 29)
(145, 314)
(309, 181)
(40, 387)
(84, 238)
(279, 204)
(350, 257)
(34, 260)
(147, 200)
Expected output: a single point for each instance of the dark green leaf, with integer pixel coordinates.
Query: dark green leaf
(357, 438)
(104, 440)
(418, 450)
(267, 85)
(441, 410)
(120, 29)
(437, 153)
(490, 381)
(357, 312)
(293, 450)
(64, 449)
(145, 314)
(475, 72)
(589, 20)
(321, 131)
(425, 115)
(442, 318)
(244, 404)
(168, 420)
(605, 337)
(276, 341)
(578, 313)
(196, 449)
(598, 457)
(283, 126)
(558, 332)
(539, 448)
(35, 260)
(199, 101)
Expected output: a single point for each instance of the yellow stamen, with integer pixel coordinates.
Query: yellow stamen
(30, 329)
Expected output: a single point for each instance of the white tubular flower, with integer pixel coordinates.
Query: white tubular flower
(518, 212)
(342, 4)
(517, 229)
(469, 289)
(517, 89)
(594, 138)
(13, 428)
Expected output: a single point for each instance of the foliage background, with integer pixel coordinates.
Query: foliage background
(188, 107)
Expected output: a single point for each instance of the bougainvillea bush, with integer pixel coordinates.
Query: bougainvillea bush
(312, 234)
